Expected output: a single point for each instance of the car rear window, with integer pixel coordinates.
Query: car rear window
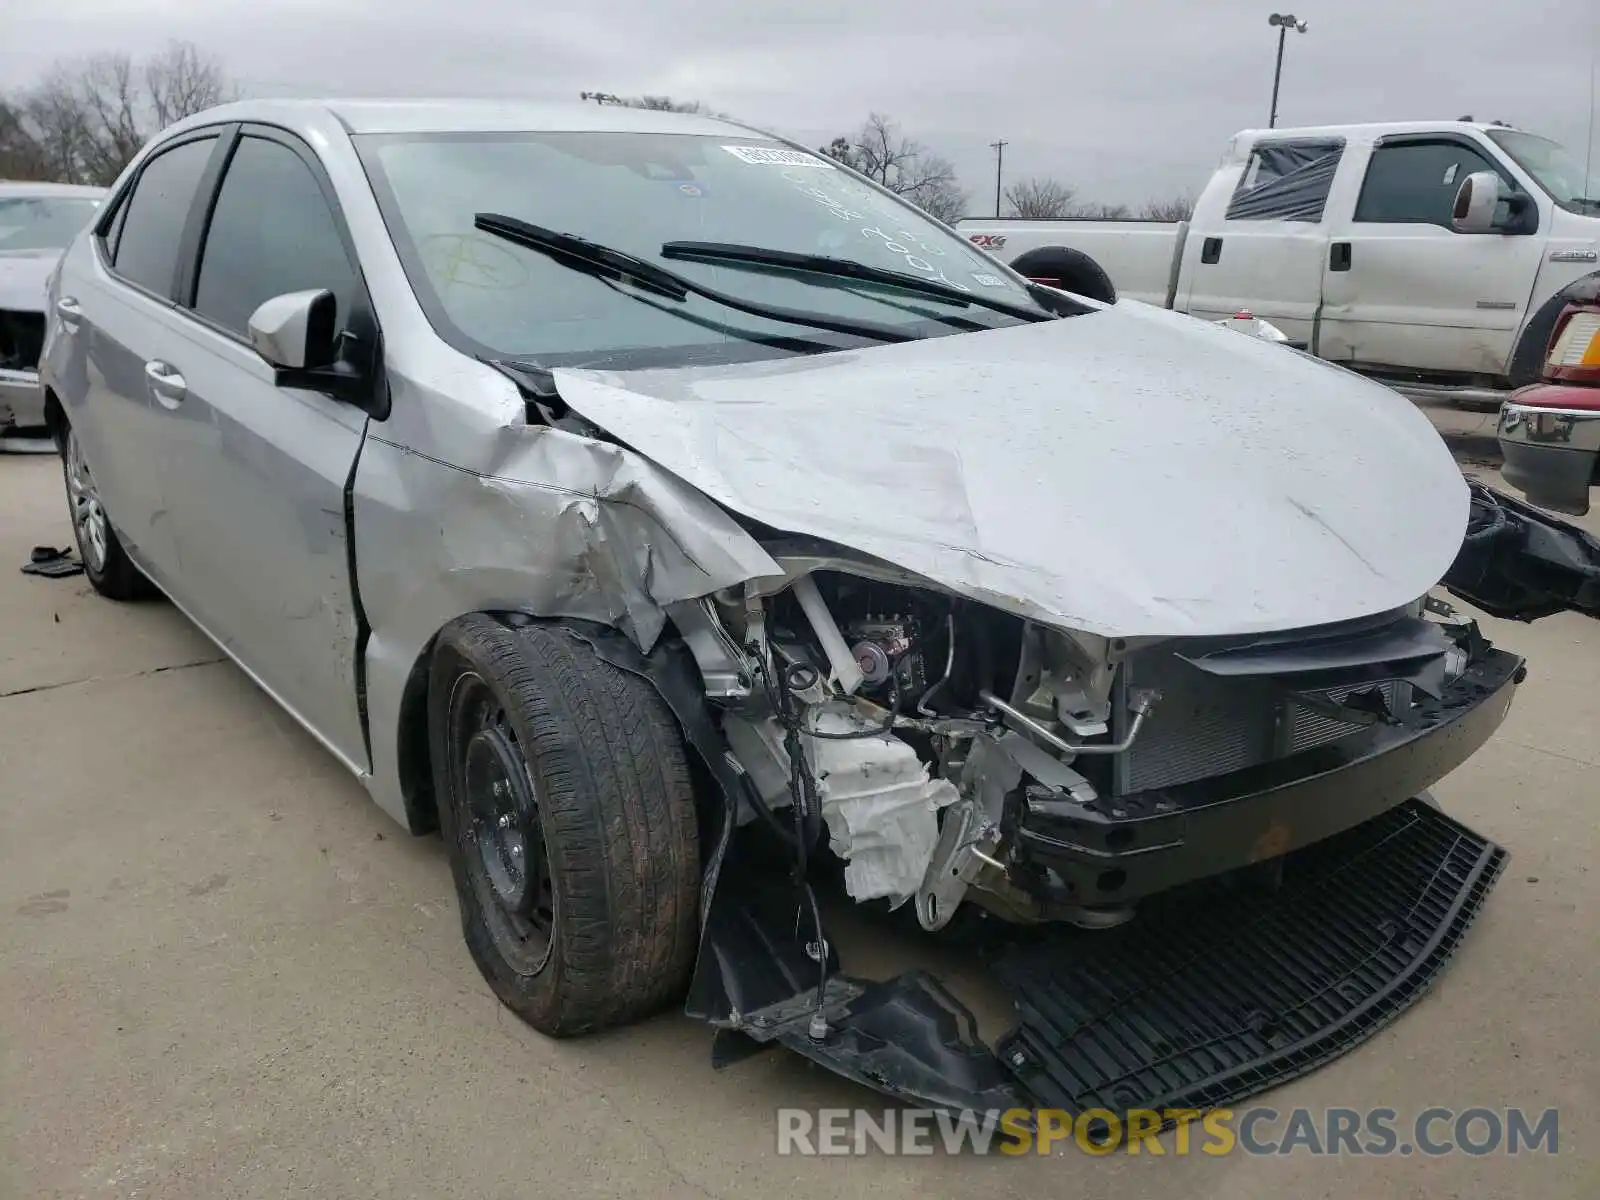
(152, 229)
(1286, 180)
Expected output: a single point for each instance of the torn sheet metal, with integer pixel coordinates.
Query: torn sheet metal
(1128, 472)
(530, 519)
(586, 529)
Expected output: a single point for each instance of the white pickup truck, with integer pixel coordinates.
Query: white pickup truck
(1436, 255)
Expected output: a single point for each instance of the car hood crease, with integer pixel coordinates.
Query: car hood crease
(1126, 473)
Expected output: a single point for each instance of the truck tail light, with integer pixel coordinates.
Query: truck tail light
(1574, 354)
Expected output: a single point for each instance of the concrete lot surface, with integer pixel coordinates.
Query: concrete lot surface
(224, 973)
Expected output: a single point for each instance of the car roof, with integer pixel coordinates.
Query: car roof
(360, 116)
(27, 187)
(1370, 131)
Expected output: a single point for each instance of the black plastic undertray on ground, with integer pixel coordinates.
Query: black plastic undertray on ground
(1221, 998)
(1210, 996)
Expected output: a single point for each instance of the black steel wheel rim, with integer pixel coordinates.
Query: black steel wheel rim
(498, 823)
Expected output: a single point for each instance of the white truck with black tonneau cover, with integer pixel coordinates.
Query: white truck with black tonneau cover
(1435, 255)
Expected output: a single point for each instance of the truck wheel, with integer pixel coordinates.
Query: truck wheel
(1070, 270)
(566, 807)
(105, 562)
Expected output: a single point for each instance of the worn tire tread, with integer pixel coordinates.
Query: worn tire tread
(617, 806)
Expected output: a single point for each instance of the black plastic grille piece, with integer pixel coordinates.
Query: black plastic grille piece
(1221, 999)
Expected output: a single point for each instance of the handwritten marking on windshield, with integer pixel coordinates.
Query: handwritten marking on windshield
(913, 260)
(913, 248)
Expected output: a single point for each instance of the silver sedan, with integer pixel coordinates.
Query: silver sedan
(635, 496)
(37, 220)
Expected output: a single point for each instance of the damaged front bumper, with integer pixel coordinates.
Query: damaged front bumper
(1217, 997)
(1121, 848)
(21, 401)
(1230, 980)
(1523, 564)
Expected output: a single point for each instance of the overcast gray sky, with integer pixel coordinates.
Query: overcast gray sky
(1125, 100)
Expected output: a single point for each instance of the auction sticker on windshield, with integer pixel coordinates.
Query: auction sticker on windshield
(775, 157)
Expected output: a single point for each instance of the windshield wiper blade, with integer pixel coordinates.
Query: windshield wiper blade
(573, 249)
(733, 254)
(592, 258)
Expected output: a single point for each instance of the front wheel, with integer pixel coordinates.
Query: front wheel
(105, 562)
(567, 810)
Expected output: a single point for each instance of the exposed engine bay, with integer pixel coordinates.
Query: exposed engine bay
(953, 754)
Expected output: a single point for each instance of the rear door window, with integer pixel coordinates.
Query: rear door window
(1286, 180)
(1416, 183)
(272, 231)
(151, 228)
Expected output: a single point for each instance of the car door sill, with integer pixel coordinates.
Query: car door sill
(360, 772)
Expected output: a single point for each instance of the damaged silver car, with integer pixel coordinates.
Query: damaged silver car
(37, 220)
(679, 522)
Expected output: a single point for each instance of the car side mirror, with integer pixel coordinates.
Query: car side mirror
(1477, 206)
(296, 331)
(297, 334)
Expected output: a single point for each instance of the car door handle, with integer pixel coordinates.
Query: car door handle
(1211, 250)
(70, 312)
(166, 385)
(1339, 256)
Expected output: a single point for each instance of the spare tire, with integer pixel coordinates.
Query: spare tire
(1068, 269)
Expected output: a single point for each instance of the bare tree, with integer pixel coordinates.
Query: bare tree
(904, 166)
(58, 124)
(1177, 208)
(181, 81)
(1096, 210)
(665, 104)
(1040, 197)
(21, 156)
(87, 118)
(654, 103)
(111, 101)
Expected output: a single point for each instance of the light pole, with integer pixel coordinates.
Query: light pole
(1282, 22)
(999, 149)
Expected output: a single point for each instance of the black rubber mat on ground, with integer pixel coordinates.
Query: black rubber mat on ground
(51, 563)
(1238, 993)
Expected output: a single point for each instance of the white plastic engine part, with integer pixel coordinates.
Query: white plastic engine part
(877, 797)
(880, 806)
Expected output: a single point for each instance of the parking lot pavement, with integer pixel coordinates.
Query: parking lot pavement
(223, 972)
(1469, 433)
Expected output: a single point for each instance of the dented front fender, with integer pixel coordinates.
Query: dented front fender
(527, 518)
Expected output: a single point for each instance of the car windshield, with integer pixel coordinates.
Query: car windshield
(42, 222)
(1553, 168)
(635, 192)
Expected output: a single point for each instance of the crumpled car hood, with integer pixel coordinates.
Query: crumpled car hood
(23, 278)
(1126, 473)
